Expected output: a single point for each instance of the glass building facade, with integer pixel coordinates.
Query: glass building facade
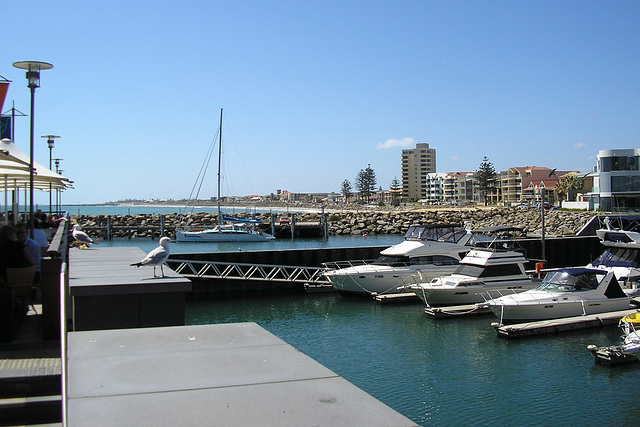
(618, 180)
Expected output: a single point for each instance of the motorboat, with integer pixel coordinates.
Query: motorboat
(232, 230)
(566, 292)
(628, 350)
(621, 255)
(432, 249)
(482, 270)
(630, 325)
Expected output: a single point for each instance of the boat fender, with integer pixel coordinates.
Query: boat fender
(539, 267)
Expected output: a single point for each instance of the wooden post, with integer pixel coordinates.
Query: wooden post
(273, 224)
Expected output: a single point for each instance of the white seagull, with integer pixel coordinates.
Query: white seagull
(80, 236)
(158, 256)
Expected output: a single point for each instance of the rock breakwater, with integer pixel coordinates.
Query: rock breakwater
(557, 222)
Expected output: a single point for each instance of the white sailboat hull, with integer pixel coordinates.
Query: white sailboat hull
(221, 236)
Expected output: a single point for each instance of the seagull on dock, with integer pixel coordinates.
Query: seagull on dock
(158, 256)
(81, 237)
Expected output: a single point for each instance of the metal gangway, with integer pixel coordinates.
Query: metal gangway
(312, 276)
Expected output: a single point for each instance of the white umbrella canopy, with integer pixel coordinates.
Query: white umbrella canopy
(14, 170)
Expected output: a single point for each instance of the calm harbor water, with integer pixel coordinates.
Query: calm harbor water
(444, 372)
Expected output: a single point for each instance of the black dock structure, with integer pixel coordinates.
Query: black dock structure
(291, 270)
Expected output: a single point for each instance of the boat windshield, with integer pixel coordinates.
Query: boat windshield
(618, 257)
(434, 260)
(393, 261)
(426, 232)
(489, 270)
(563, 281)
(454, 236)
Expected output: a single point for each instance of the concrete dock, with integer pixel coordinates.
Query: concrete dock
(108, 293)
(229, 374)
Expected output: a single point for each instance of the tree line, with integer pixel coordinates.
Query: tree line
(365, 186)
(485, 178)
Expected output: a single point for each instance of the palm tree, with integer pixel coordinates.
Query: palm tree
(568, 182)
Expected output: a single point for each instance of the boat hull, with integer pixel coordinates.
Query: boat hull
(371, 279)
(555, 309)
(204, 236)
(439, 296)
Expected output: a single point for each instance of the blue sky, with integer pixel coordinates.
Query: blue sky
(315, 91)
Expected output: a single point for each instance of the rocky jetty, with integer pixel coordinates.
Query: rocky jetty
(344, 222)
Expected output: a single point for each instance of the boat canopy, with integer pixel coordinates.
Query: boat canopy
(618, 257)
(631, 318)
(233, 219)
(580, 279)
(430, 231)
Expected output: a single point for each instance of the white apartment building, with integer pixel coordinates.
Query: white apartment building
(450, 187)
(416, 164)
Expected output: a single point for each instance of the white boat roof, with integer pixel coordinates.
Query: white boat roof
(619, 238)
(485, 257)
(414, 248)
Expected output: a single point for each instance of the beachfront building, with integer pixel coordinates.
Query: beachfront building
(527, 185)
(416, 164)
(616, 180)
(455, 188)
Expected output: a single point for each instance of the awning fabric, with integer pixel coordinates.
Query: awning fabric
(14, 171)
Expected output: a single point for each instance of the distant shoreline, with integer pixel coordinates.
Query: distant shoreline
(284, 207)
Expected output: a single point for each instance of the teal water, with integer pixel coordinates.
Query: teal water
(445, 372)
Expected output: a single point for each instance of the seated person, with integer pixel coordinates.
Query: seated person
(13, 254)
(34, 249)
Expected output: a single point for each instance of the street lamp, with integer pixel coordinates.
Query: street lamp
(33, 77)
(60, 193)
(58, 171)
(50, 142)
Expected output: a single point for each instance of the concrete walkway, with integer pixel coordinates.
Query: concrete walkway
(223, 375)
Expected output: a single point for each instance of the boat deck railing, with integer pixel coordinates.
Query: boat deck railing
(490, 294)
(244, 271)
(338, 265)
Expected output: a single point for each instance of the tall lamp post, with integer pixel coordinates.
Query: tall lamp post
(60, 193)
(58, 171)
(33, 77)
(50, 142)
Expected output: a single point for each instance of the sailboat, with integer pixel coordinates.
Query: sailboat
(228, 229)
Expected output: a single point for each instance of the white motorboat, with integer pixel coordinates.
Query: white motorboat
(480, 271)
(434, 250)
(630, 325)
(621, 255)
(629, 348)
(566, 292)
(228, 229)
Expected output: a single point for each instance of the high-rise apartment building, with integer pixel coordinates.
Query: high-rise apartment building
(416, 164)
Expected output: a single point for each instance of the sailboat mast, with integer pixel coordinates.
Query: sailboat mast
(219, 163)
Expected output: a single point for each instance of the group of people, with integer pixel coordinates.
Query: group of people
(18, 250)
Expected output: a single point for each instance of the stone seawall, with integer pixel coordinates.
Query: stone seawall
(557, 222)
